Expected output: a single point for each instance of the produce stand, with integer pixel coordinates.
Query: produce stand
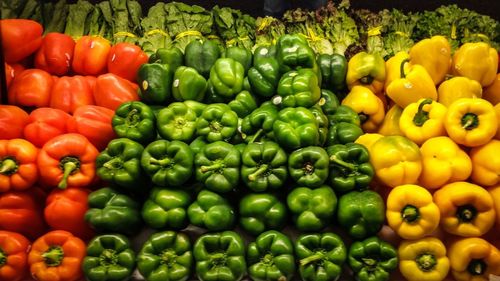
(205, 140)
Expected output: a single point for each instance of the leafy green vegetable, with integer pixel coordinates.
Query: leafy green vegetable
(155, 31)
(372, 26)
(267, 30)
(233, 27)
(57, 21)
(399, 32)
(77, 17)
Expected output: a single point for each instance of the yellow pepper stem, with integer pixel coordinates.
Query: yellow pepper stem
(421, 116)
(470, 121)
(8, 166)
(402, 68)
(476, 267)
(410, 213)
(466, 213)
(426, 262)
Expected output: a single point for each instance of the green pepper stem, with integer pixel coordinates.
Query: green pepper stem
(68, 168)
(426, 262)
(369, 262)
(256, 135)
(466, 213)
(114, 163)
(262, 169)
(402, 68)
(8, 166)
(132, 117)
(205, 169)
(366, 80)
(342, 163)
(53, 256)
(108, 257)
(410, 213)
(470, 121)
(363, 117)
(313, 258)
(3, 258)
(161, 162)
(477, 267)
(421, 116)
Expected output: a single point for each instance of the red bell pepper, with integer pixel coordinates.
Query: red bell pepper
(20, 38)
(111, 91)
(44, 124)
(124, 60)
(55, 54)
(93, 122)
(9, 74)
(12, 122)
(31, 88)
(14, 249)
(71, 92)
(91, 55)
(18, 169)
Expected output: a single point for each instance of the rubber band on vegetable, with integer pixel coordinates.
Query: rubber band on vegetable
(483, 36)
(401, 33)
(155, 31)
(125, 34)
(264, 24)
(213, 36)
(188, 33)
(374, 31)
(453, 32)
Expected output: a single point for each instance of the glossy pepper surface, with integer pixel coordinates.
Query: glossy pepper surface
(393, 67)
(295, 128)
(226, 77)
(188, 84)
(423, 259)
(329, 102)
(473, 259)
(136, 121)
(298, 88)
(45, 123)
(243, 104)
(177, 121)
(390, 125)
(368, 106)
(486, 164)
(239, 54)
(201, 55)
(20, 38)
(217, 123)
(111, 91)
(264, 77)
(260, 212)
(495, 194)
(344, 126)
(91, 55)
(366, 70)
(12, 121)
(492, 92)
(293, 52)
(309, 166)
(71, 92)
(155, 80)
(258, 125)
(18, 165)
(434, 54)
(423, 120)
(211, 211)
(14, 249)
(372, 259)
(31, 88)
(171, 56)
(465, 62)
(55, 54)
(125, 59)
(166, 208)
(458, 87)
(322, 121)
(333, 71)
(94, 123)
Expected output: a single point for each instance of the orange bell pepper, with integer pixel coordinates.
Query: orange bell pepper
(12, 122)
(111, 91)
(473, 259)
(14, 249)
(69, 93)
(20, 38)
(67, 160)
(57, 256)
(91, 55)
(93, 122)
(18, 169)
(9, 74)
(31, 88)
(44, 124)
(492, 92)
(124, 60)
(56, 54)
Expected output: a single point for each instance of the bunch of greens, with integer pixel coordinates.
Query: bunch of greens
(267, 30)
(77, 18)
(339, 28)
(155, 30)
(399, 32)
(233, 27)
(126, 15)
(372, 27)
(481, 28)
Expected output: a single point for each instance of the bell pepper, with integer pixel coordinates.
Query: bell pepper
(471, 122)
(111, 91)
(136, 121)
(69, 93)
(172, 56)
(362, 213)
(22, 212)
(65, 210)
(396, 160)
(264, 77)
(368, 140)
(367, 70)
(312, 209)
(197, 107)
(295, 127)
(458, 87)
(176, 122)
(217, 123)
(166, 208)
(443, 162)
(368, 106)
(14, 249)
(270, 257)
(259, 212)
(350, 167)
(211, 211)
(155, 82)
(390, 125)
(226, 77)
(495, 194)
(240, 55)
(393, 67)
(201, 55)
(486, 164)
(168, 163)
(45, 123)
(188, 84)
(344, 126)
(93, 122)
(263, 52)
(197, 145)
(31, 88)
(67, 160)
(243, 104)
(55, 53)
(329, 102)
(473, 259)
(423, 259)
(322, 121)
(298, 88)
(125, 59)
(333, 71)
(9, 74)
(18, 167)
(308, 166)
(220, 256)
(423, 120)
(465, 62)
(12, 122)
(218, 166)
(492, 92)
(166, 255)
(91, 55)
(434, 54)
(293, 52)
(466, 209)
(372, 259)
(258, 125)
(20, 38)
(497, 111)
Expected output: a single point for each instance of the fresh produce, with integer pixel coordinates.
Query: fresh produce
(372, 259)
(367, 70)
(434, 54)
(177, 122)
(125, 60)
(18, 167)
(12, 121)
(20, 38)
(308, 166)
(369, 107)
(14, 248)
(94, 123)
(136, 121)
(423, 258)
(312, 209)
(485, 172)
(211, 211)
(55, 55)
(295, 127)
(458, 87)
(31, 88)
(260, 212)
(90, 55)
(71, 92)
(467, 53)
(155, 80)
(188, 84)
(166, 208)
(422, 120)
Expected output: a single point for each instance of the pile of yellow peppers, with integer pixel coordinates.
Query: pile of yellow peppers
(436, 153)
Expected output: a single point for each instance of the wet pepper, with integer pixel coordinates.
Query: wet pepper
(367, 70)
(423, 259)
(423, 120)
(14, 249)
(465, 62)
(368, 106)
(372, 259)
(473, 259)
(18, 168)
(211, 211)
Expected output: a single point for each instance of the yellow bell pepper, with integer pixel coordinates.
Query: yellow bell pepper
(396, 160)
(390, 125)
(423, 120)
(466, 209)
(486, 163)
(434, 54)
(458, 87)
(471, 122)
(495, 194)
(473, 259)
(369, 107)
(423, 260)
(368, 139)
(497, 111)
(477, 61)
(366, 70)
(492, 92)
(411, 212)
(443, 162)
(393, 67)
(414, 84)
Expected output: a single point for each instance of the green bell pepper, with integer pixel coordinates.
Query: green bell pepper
(168, 163)
(328, 102)
(212, 97)
(264, 76)
(166, 208)
(333, 71)
(298, 88)
(321, 256)
(372, 259)
(166, 256)
(243, 104)
(211, 211)
(261, 212)
(322, 123)
(109, 258)
(177, 122)
(136, 121)
(293, 52)
(197, 145)
(197, 107)
(218, 166)
(217, 123)
(259, 124)
(111, 211)
(361, 213)
(120, 163)
(308, 166)
(263, 52)
(296, 127)
(312, 209)
(350, 167)
(155, 82)
(270, 257)
(264, 166)
(346, 114)
(172, 56)
(201, 55)
(220, 256)
(188, 84)
(226, 77)
(240, 55)
(343, 133)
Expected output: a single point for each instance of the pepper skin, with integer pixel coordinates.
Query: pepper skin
(366, 70)
(293, 52)
(91, 55)
(393, 67)
(465, 62)
(217, 123)
(486, 164)
(423, 120)
(298, 88)
(20, 38)
(12, 122)
(258, 125)
(201, 55)
(390, 125)
(458, 87)
(368, 139)
(211, 211)
(55, 55)
(243, 104)
(495, 194)
(492, 92)
(111, 91)
(260, 212)
(31, 88)
(71, 92)
(423, 260)
(240, 55)
(14, 249)
(226, 77)
(372, 259)
(18, 168)
(188, 84)
(125, 59)
(264, 77)
(172, 56)
(368, 106)
(295, 128)
(333, 71)
(309, 166)
(136, 121)
(473, 259)
(322, 121)
(155, 80)
(434, 54)
(166, 208)
(94, 123)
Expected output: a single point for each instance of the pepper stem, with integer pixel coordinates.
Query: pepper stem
(68, 166)
(115, 163)
(108, 257)
(53, 256)
(366, 80)
(421, 116)
(477, 267)
(132, 117)
(410, 213)
(426, 262)
(256, 135)
(466, 213)
(470, 121)
(262, 169)
(3, 258)
(8, 166)
(313, 258)
(342, 163)
(402, 68)
(363, 117)
(161, 162)
(205, 169)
